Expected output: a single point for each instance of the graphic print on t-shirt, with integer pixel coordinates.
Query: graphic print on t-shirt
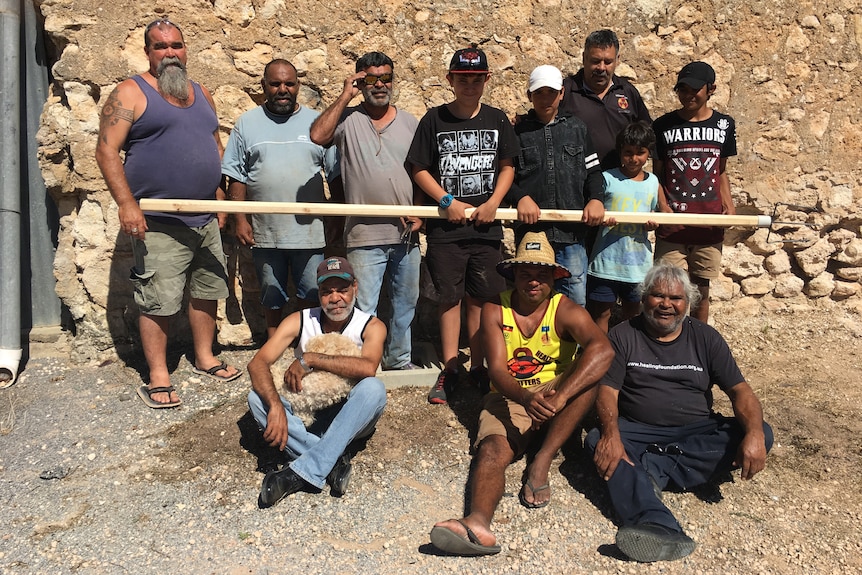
(693, 155)
(693, 175)
(467, 161)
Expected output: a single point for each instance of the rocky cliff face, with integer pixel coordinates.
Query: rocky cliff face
(787, 71)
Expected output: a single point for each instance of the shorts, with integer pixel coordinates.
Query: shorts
(171, 255)
(606, 291)
(701, 261)
(502, 416)
(465, 267)
(274, 265)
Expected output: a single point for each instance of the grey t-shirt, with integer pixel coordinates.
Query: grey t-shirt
(374, 172)
(277, 161)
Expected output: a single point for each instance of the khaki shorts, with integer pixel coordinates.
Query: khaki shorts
(701, 261)
(502, 416)
(168, 257)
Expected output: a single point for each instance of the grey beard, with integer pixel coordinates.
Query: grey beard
(172, 78)
(376, 100)
(346, 312)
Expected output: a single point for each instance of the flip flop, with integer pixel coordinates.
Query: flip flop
(534, 490)
(450, 542)
(146, 395)
(211, 372)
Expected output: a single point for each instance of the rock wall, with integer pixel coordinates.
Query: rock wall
(788, 71)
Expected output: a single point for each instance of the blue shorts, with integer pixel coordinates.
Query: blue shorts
(273, 266)
(607, 291)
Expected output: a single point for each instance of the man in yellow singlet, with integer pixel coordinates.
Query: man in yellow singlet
(531, 334)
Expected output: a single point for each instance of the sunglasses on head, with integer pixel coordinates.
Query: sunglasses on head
(159, 22)
(371, 79)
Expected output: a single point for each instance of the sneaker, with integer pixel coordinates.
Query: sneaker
(650, 542)
(443, 386)
(480, 378)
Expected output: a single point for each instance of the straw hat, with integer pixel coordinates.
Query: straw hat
(534, 249)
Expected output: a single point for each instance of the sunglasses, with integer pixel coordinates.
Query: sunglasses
(371, 80)
(671, 449)
(159, 22)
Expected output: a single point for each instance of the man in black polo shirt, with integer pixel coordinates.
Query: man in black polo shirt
(604, 102)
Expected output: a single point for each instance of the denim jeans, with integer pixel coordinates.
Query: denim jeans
(401, 263)
(316, 449)
(574, 258)
(273, 266)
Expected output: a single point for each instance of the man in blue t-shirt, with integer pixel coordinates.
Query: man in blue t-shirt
(657, 426)
(270, 157)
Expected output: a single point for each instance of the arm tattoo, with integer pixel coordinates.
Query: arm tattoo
(113, 112)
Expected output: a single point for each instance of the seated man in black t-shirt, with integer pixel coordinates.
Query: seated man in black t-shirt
(657, 424)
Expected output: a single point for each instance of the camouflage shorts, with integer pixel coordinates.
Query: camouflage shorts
(170, 256)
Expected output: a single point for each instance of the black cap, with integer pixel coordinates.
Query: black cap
(469, 61)
(695, 75)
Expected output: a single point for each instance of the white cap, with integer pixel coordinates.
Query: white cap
(545, 76)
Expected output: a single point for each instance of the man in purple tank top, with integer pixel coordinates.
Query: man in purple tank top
(167, 126)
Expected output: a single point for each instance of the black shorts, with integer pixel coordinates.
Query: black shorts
(463, 267)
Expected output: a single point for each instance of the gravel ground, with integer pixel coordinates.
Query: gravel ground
(92, 482)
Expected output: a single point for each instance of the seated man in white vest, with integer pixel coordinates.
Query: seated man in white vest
(319, 452)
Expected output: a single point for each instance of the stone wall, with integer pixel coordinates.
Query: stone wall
(788, 71)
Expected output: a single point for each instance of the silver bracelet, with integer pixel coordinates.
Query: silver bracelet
(305, 365)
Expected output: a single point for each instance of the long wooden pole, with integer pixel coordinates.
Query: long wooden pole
(383, 211)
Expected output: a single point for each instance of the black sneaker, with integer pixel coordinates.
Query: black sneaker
(650, 542)
(445, 382)
(279, 484)
(339, 478)
(481, 379)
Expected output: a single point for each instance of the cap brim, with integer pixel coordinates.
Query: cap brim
(545, 85)
(343, 276)
(469, 71)
(693, 83)
(504, 268)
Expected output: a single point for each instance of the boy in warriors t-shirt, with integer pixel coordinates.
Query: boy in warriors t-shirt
(693, 144)
(462, 157)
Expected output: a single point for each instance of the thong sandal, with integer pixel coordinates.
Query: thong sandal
(211, 372)
(533, 490)
(450, 542)
(146, 395)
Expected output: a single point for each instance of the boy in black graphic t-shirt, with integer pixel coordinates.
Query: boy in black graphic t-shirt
(461, 145)
(693, 144)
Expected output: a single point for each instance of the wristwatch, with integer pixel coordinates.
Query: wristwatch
(446, 201)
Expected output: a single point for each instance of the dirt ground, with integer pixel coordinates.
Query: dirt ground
(806, 368)
(181, 469)
(804, 365)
